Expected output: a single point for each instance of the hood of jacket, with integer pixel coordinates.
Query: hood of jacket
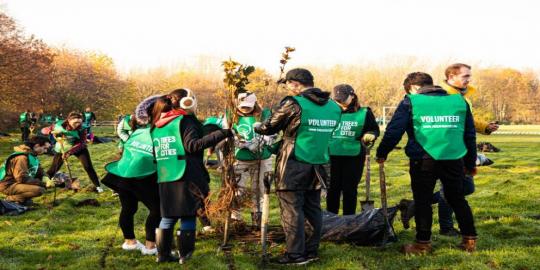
(316, 95)
(167, 117)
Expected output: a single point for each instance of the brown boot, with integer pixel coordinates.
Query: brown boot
(417, 248)
(468, 243)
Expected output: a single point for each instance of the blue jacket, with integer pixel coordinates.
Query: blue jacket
(401, 122)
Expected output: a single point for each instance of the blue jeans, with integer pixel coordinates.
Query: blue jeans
(186, 223)
(445, 211)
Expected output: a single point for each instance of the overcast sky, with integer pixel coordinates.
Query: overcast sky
(145, 34)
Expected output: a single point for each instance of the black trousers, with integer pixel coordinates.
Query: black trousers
(424, 175)
(25, 133)
(345, 175)
(296, 207)
(131, 192)
(84, 158)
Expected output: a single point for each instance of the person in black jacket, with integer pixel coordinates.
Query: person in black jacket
(181, 198)
(299, 175)
(441, 142)
(347, 152)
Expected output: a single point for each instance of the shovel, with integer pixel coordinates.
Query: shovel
(265, 212)
(368, 204)
(388, 232)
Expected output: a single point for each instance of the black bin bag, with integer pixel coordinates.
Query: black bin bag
(365, 229)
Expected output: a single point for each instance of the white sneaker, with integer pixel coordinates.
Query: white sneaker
(208, 229)
(99, 189)
(146, 251)
(136, 246)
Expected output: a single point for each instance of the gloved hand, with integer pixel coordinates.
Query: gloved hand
(49, 183)
(225, 123)
(368, 138)
(269, 139)
(257, 125)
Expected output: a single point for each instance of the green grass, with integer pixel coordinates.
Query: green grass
(507, 198)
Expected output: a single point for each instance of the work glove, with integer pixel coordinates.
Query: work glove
(49, 183)
(368, 138)
(225, 123)
(257, 125)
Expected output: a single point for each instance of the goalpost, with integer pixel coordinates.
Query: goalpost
(388, 112)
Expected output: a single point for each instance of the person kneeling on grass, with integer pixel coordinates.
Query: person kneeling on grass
(21, 174)
(134, 178)
(71, 140)
(182, 177)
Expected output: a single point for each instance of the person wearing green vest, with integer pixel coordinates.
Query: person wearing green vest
(441, 143)
(134, 178)
(71, 140)
(124, 130)
(253, 157)
(21, 174)
(25, 121)
(89, 118)
(458, 76)
(184, 99)
(347, 153)
(182, 177)
(307, 119)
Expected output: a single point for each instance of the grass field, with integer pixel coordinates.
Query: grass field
(506, 205)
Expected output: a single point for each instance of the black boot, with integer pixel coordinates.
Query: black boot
(256, 220)
(185, 240)
(164, 239)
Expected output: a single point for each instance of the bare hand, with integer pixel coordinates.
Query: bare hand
(492, 127)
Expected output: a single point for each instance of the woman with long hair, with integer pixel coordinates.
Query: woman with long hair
(182, 177)
(71, 140)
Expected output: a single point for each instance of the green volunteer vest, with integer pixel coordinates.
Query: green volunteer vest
(244, 128)
(23, 117)
(344, 141)
(48, 119)
(169, 151)
(212, 120)
(87, 117)
(71, 137)
(138, 157)
(315, 130)
(33, 164)
(265, 114)
(439, 125)
(126, 127)
(125, 121)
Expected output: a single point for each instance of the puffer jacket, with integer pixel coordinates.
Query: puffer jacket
(291, 174)
(479, 125)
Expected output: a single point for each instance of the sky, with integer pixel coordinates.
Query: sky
(146, 34)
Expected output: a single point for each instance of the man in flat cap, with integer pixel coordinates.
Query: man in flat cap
(307, 118)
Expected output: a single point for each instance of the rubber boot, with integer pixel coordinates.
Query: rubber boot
(468, 243)
(256, 220)
(185, 240)
(164, 238)
(417, 248)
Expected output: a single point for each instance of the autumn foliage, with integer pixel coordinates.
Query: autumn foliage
(39, 77)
